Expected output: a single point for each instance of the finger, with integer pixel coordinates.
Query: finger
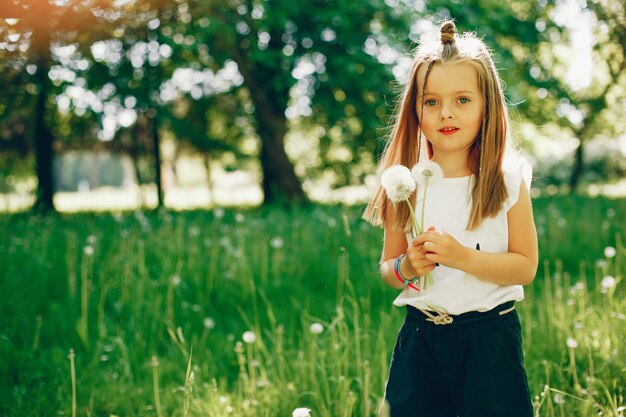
(429, 247)
(427, 237)
(434, 232)
(433, 257)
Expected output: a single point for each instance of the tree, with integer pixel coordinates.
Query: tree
(313, 49)
(592, 104)
(530, 40)
(133, 66)
(36, 27)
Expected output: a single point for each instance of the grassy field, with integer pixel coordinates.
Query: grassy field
(258, 312)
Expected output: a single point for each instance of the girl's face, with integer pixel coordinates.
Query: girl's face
(453, 106)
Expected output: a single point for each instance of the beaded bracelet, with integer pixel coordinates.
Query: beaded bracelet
(405, 282)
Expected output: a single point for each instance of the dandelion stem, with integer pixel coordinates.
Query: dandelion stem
(415, 227)
(73, 378)
(424, 203)
(155, 385)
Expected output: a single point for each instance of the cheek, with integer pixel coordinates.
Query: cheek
(428, 120)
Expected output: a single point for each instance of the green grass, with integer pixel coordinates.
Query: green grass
(156, 313)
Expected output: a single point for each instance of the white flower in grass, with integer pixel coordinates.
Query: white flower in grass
(88, 250)
(609, 252)
(316, 328)
(209, 323)
(559, 399)
(218, 212)
(302, 412)
(427, 172)
(608, 282)
(276, 243)
(398, 183)
(571, 343)
(249, 337)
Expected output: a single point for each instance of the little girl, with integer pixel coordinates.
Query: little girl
(459, 351)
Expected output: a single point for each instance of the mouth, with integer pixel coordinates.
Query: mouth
(449, 130)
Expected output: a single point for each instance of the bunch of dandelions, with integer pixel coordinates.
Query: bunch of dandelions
(425, 173)
(400, 183)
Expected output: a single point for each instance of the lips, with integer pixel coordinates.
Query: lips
(448, 130)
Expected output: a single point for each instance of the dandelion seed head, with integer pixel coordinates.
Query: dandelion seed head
(609, 252)
(559, 399)
(91, 239)
(427, 172)
(209, 323)
(608, 282)
(276, 243)
(175, 280)
(398, 183)
(571, 343)
(88, 250)
(302, 412)
(218, 213)
(239, 218)
(316, 328)
(249, 337)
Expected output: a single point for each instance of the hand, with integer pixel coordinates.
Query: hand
(418, 264)
(441, 247)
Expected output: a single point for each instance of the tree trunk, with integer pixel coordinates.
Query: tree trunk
(579, 154)
(43, 137)
(134, 156)
(577, 169)
(209, 178)
(280, 183)
(156, 151)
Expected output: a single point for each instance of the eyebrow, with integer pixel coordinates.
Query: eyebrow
(454, 93)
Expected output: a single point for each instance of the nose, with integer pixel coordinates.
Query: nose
(445, 112)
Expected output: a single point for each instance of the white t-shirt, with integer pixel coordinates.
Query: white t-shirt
(448, 206)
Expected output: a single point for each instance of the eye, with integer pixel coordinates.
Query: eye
(430, 102)
(464, 100)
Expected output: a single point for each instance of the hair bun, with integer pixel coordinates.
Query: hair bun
(448, 30)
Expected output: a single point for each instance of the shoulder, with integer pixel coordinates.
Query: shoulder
(517, 178)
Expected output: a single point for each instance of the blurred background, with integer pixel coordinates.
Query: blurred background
(122, 104)
(224, 112)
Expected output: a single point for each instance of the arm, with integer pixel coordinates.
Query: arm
(516, 267)
(395, 244)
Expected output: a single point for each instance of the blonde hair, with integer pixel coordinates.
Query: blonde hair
(486, 153)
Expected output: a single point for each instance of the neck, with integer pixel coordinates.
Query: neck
(453, 166)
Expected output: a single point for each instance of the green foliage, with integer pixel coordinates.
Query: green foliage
(133, 293)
